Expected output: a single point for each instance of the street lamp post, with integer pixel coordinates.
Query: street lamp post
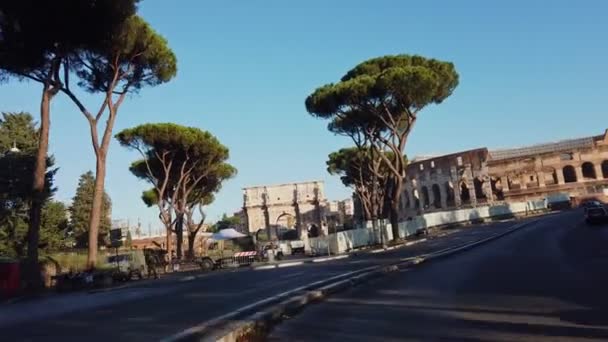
(14, 149)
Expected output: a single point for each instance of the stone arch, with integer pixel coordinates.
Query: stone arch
(605, 168)
(286, 220)
(436, 195)
(425, 196)
(478, 185)
(450, 199)
(465, 196)
(569, 174)
(588, 170)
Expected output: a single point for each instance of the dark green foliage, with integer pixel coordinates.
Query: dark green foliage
(18, 129)
(80, 211)
(352, 165)
(54, 226)
(36, 34)
(16, 169)
(227, 222)
(383, 91)
(141, 56)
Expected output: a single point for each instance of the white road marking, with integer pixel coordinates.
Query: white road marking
(288, 264)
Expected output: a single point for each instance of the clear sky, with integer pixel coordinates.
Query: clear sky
(530, 71)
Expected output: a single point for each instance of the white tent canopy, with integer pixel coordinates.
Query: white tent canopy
(226, 234)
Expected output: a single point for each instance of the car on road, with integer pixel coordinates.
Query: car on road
(596, 214)
(591, 204)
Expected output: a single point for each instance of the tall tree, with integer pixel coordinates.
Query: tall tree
(18, 144)
(183, 164)
(80, 211)
(382, 98)
(135, 57)
(198, 203)
(54, 226)
(356, 170)
(36, 43)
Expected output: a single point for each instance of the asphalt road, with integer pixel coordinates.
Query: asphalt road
(545, 282)
(155, 310)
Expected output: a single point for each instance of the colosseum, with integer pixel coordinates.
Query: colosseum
(574, 168)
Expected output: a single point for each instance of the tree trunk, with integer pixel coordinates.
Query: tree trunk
(168, 241)
(367, 215)
(397, 185)
(191, 240)
(96, 208)
(38, 187)
(179, 234)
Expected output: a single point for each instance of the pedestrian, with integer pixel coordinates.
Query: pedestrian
(174, 261)
(150, 263)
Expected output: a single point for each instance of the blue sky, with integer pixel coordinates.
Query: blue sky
(530, 71)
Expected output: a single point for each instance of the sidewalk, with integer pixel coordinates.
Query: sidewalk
(363, 250)
(432, 233)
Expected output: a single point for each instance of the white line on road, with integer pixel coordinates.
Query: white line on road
(288, 264)
(331, 258)
(267, 267)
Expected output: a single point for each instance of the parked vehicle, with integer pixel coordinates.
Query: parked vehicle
(234, 252)
(297, 246)
(129, 264)
(591, 204)
(597, 214)
(278, 252)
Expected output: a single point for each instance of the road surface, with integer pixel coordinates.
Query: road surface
(545, 282)
(155, 310)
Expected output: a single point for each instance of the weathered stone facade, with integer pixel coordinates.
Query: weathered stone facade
(294, 205)
(470, 178)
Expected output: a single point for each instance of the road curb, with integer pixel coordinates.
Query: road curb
(337, 257)
(234, 327)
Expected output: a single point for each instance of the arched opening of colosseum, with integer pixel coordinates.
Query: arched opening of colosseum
(465, 196)
(436, 196)
(497, 188)
(552, 179)
(425, 197)
(479, 193)
(449, 187)
(588, 171)
(569, 174)
(605, 168)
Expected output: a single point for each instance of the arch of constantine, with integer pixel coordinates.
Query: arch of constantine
(296, 206)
